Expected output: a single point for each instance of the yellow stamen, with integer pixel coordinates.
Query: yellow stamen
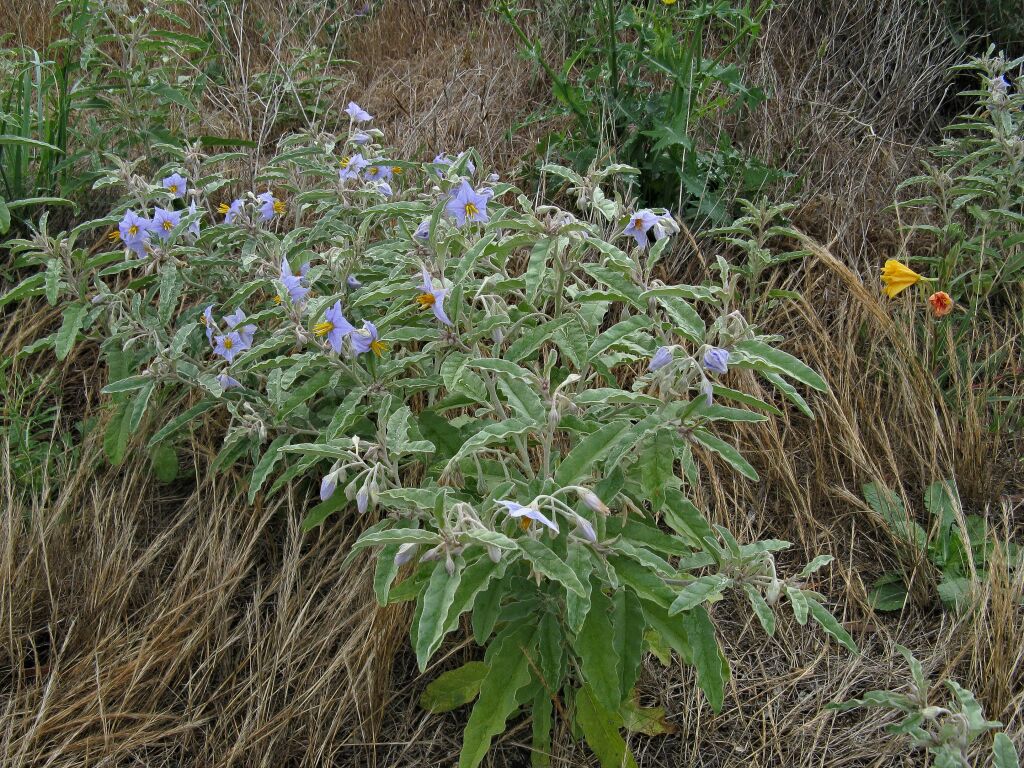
(279, 207)
(114, 236)
(638, 223)
(379, 347)
(397, 170)
(168, 225)
(345, 161)
(223, 208)
(228, 343)
(173, 189)
(133, 230)
(322, 329)
(372, 170)
(524, 523)
(471, 210)
(278, 299)
(426, 300)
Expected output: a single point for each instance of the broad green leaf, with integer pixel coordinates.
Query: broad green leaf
(756, 351)
(127, 384)
(71, 324)
(536, 268)
(170, 290)
(577, 606)
(266, 465)
(594, 644)
(164, 460)
(548, 564)
(727, 452)
(581, 460)
(523, 398)
(712, 668)
(454, 688)
(543, 711)
(507, 672)
(493, 432)
(761, 608)
(181, 420)
(617, 333)
(397, 535)
(829, 623)
(1004, 754)
(627, 619)
(701, 590)
(600, 728)
(651, 721)
(436, 600)
(819, 562)
(657, 465)
(800, 604)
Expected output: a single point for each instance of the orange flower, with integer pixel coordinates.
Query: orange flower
(897, 277)
(941, 303)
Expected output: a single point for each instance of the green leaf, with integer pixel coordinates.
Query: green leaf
(756, 351)
(617, 333)
(74, 317)
(800, 602)
(127, 384)
(170, 290)
(536, 268)
(164, 460)
(543, 720)
(598, 658)
(507, 672)
(266, 465)
(548, 564)
(829, 623)
(761, 608)
(657, 464)
(819, 562)
(138, 408)
(581, 460)
(727, 452)
(712, 668)
(701, 590)
(5, 217)
(492, 432)
(454, 688)
(627, 623)
(1004, 754)
(436, 600)
(651, 721)
(181, 420)
(577, 606)
(523, 398)
(600, 728)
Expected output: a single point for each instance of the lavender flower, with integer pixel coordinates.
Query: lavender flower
(227, 382)
(246, 331)
(209, 322)
(378, 172)
(638, 226)
(716, 360)
(193, 227)
(525, 514)
(423, 231)
(361, 138)
(270, 206)
(357, 113)
(592, 500)
(433, 298)
(328, 485)
(230, 212)
(334, 326)
(363, 500)
(176, 184)
(467, 205)
(585, 530)
(164, 222)
(661, 358)
(230, 344)
(294, 284)
(384, 188)
(353, 282)
(134, 231)
(367, 339)
(351, 166)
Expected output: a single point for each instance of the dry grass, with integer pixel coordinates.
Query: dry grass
(177, 625)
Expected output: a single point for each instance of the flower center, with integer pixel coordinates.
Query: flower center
(426, 300)
(373, 170)
(324, 328)
(167, 224)
(228, 343)
(345, 161)
(379, 347)
(471, 209)
(638, 223)
(223, 208)
(524, 523)
(133, 229)
(174, 189)
(278, 206)
(278, 299)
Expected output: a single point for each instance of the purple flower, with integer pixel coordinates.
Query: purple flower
(230, 344)
(367, 339)
(363, 500)
(230, 212)
(384, 188)
(364, 10)
(433, 298)
(270, 206)
(351, 166)
(164, 222)
(227, 382)
(514, 509)
(378, 172)
(334, 326)
(361, 138)
(716, 360)
(176, 184)
(661, 358)
(353, 282)
(640, 222)
(423, 231)
(442, 161)
(294, 284)
(707, 390)
(246, 331)
(328, 486)
(357, 113)
(209, 322)
(405, 553)
(467, 205)
(193, 227)
(585, 530)
(134, 231)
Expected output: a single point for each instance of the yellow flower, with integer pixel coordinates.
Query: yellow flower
(668, 2)
(898, 277)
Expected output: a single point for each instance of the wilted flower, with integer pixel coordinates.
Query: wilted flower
(898, 277)
(357, 113)
(134, 231)
(270, 206)
(664, 226)
(661, 358)
(164, 222)
(384, 188)
(193, 227)
(230, 344)
(716, 360)
(364, 10)
(639, 223)
(294, 284)
(423, 230)
(230, 212)
(526, 514)
(941, 303)
(433, 298)
(351, 166)
(367, 339)
(176, 184)
(334, 326)
(467, 205)
(353, 282)
(227, 382)
(209, 322)
(405, 553)
(247, 332)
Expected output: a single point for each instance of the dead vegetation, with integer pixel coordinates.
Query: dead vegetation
(154, 625)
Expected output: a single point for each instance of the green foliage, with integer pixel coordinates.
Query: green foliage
(528, 465)
(944, 732)
(639, 89)
(957, 545)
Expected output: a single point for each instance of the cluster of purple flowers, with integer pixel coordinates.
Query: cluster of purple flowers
(335, 327)
(715, 360)
(137, 231)
(238, 338)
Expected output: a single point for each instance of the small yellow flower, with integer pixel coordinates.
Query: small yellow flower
(668, 2)
(898, 277)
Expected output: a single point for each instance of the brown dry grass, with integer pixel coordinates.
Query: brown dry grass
(156, 625)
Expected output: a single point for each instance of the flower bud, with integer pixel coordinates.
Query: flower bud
(494, 553)
(592, 501)
(405, 553)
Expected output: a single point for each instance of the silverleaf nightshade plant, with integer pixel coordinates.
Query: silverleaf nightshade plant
(522, 450)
